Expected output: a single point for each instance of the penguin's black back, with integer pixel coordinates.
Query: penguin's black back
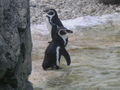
(57, 21)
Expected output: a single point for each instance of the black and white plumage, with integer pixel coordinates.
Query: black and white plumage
(52, 18)
(56, 48)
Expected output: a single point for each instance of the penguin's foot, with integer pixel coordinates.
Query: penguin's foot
(56, 67)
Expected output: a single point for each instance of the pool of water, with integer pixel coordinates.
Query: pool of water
(95, 55)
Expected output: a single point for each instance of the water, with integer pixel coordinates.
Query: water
(91, 69)
(95, 54)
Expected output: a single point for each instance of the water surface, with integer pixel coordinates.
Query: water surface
(95, 54)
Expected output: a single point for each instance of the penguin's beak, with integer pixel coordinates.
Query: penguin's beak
(69, 31)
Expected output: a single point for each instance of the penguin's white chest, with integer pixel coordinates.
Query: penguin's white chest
(57, 56)
(49, 27)
(64, 37)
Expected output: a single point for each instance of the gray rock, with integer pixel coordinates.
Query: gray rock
(109, 1)
(70, 9)
(15, 45)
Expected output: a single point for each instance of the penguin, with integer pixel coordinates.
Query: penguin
(52, 18)
(56, 48)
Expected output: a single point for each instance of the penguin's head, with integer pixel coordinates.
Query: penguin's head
(62, 35)
(51, 13)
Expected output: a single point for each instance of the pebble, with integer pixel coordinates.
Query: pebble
(68, 9)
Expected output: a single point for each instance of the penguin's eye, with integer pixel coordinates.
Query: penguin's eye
(62, 32)
(50, 13)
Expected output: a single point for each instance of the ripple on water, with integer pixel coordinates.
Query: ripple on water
(95, 64)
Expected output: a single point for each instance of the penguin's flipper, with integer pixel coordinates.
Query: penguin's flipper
(66, 56)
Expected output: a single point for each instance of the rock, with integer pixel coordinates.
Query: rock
(69, 9)
(109, 1)
(15, 45)
(117, 9)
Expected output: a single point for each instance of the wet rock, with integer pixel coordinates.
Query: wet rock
(15, 45)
